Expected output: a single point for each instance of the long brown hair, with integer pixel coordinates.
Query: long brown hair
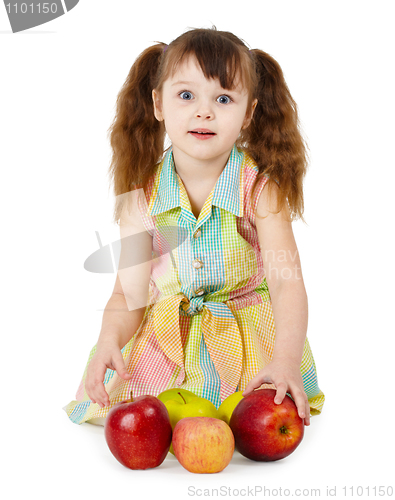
(273, 138)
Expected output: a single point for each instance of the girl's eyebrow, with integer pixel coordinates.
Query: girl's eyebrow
(183, 82)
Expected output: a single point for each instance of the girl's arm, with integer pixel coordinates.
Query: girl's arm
(119, 323)
(131, 291)
(125, 309)
(289, 301)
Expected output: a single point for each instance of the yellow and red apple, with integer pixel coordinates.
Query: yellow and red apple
(203, 445)
(181, 403)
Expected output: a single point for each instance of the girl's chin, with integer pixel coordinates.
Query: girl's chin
(202, 150)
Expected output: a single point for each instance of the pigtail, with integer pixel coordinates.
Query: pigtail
(273, 137)
(136, 137)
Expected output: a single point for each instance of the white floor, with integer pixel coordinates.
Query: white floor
(59, 459)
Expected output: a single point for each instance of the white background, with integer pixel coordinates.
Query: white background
(58, 88)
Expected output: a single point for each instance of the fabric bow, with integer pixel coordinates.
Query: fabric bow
(220, 331)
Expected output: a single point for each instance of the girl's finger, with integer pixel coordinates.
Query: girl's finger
(300, 401)
(119, 365)
(257, 381)
(307, 418)
(252, 384)
(249, 388)
(98, 393)
(103, 396)
(281, 391)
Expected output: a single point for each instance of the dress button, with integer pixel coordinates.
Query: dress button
(197, 264)
(199, 291)
(197, 233)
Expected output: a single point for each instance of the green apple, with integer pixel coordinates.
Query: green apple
(194, 407)
(228, 405)
(186, 405)
(174, 394)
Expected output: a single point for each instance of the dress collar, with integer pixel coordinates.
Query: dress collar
(228, 190)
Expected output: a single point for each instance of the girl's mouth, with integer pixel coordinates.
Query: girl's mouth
(202, 133)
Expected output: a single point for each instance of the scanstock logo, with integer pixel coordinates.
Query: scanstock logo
(24, 15)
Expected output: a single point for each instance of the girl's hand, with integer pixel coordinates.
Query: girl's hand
(107, 355)
(287, 378)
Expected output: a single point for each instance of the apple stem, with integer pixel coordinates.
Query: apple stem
(182, 397)
(131, 396)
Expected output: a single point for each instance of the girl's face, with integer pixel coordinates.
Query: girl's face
(190, 104)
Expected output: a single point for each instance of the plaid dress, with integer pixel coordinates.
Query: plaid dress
(209, 325)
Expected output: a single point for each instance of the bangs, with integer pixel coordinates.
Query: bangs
(220, 55)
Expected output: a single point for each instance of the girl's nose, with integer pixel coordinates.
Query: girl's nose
(203, 114)
(204, 111)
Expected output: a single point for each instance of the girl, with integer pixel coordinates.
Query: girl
(209, 295)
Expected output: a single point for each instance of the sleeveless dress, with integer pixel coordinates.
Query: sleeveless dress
(209, 325)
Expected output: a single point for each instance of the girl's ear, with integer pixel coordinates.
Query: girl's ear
(249, 115)
(157, 106)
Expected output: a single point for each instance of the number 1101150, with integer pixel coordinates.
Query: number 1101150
(359, 491)
(39, 8)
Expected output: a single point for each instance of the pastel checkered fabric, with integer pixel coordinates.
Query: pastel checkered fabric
(209, 325)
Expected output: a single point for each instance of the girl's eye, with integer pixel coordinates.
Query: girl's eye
(224, 99)
(186, 95)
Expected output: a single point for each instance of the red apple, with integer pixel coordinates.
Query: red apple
(266, 431)
(138, 432)
(203, 444)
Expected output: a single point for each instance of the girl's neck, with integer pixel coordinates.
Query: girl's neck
(199, 170)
